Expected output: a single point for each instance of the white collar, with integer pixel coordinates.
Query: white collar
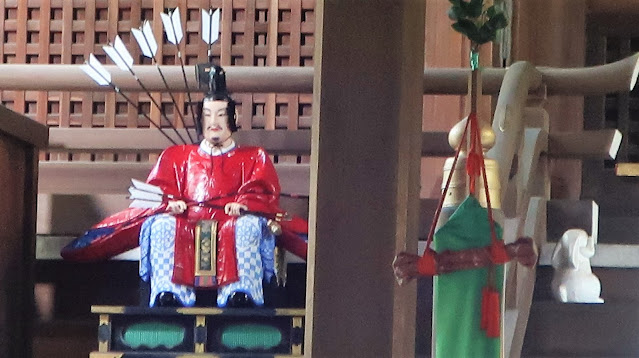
(207, 148)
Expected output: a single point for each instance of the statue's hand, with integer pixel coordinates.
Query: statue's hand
(234, 209)
(176, 206)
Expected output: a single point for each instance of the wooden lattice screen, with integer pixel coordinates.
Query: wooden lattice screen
(252, 33)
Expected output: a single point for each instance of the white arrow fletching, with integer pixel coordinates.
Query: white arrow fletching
(173, 26)
(206, 26)
(215, 25)
(150, 188)
(94, 75)
(177, 25)
(168, 28)
(150, 37)
(143, 195)
(113, 55)
(144, 204)
(123, 51)
(144, 47)
(97, 72)
(210, 26)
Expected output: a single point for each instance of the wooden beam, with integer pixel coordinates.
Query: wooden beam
(613, 77)
(151, 140)
(115, 177)
(600, 144)
(610, 7)
(596, 144)
(23, 128)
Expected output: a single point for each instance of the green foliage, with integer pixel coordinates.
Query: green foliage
(473, 21)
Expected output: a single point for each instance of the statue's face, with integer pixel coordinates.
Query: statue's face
(215, 123)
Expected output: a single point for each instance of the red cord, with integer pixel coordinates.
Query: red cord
(475, 168)
(433, 224)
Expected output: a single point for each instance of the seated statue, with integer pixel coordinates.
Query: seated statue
(216, 187)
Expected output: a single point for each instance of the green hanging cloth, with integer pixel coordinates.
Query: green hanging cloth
(458, 295)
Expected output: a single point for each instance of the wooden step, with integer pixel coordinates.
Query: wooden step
(606, 255)
(582, 330)
(571, 214)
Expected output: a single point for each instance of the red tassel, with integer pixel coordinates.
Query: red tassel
(483, 324)
(493, 329)
(498, 253)
(473, 164)
(426, 266)
(473, 169)
(490, 312)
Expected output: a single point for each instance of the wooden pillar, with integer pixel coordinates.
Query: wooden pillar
(20, 139)
(364, 176)
(559, 40)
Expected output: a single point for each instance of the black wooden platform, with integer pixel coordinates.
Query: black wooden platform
(143, 332)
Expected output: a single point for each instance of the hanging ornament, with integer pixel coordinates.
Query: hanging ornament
(467, 253)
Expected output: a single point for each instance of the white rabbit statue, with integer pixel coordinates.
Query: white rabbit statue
(573, 280)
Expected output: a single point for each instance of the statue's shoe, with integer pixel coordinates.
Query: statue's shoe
(167, 299)
(240, 300)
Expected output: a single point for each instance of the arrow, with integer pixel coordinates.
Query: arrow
(172, 28)
(210, 27)
(102, 77)
(146, 41)
(96, 71)
(123, 59)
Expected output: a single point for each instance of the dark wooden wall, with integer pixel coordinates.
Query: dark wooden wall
(19, 142)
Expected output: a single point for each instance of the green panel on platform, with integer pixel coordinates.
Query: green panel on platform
(251, 336)
(153, 335)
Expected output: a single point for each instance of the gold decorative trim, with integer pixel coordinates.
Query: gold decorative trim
(297, 323)
(290, 312)
(205, 248)
(199, 311)
(301, 312)
(199, 347)
(105, 319)
(106, 355)
(200, 321)
(627, 169)
(103, 346)
(186, 355)
(108, 309)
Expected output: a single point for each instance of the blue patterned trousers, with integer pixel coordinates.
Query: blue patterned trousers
(254, 249)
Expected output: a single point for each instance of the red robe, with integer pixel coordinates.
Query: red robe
(244, 175)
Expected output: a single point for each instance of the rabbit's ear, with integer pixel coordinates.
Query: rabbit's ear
(576, 239)
(558, 254)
